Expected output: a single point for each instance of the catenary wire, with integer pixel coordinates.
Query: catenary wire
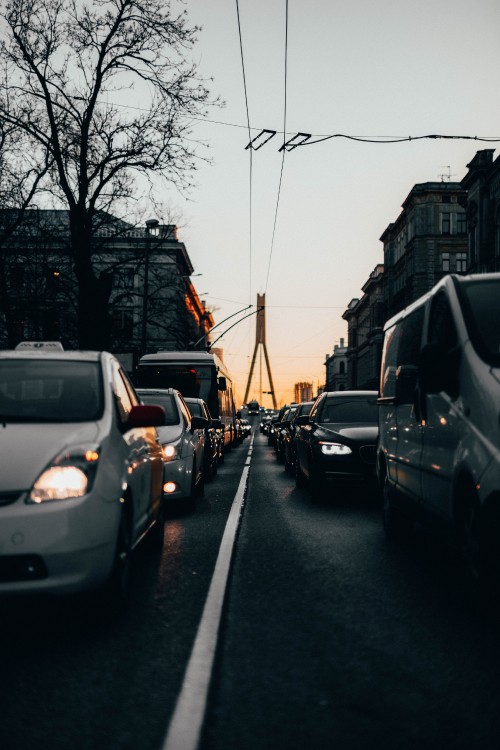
(284, 150)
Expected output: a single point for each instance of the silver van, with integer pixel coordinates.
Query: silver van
(438, 458)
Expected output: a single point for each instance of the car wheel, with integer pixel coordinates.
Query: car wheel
(158, 530)
(200, 486)
(300, 480)
(397, 526)
(316, 484)
(117, 590)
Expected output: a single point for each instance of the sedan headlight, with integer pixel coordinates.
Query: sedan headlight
(170, 451)
(71, 474)
(334, 449)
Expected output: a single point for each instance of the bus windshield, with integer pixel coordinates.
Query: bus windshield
(195, 381)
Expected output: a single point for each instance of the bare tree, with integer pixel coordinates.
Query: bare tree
(21, 180)
(71, 70)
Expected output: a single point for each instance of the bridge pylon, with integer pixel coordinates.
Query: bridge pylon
(260, 342)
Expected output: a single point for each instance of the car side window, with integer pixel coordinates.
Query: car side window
(408, 355)
(313, 414)
(184, 410)
(442, 330)
(389, 362)
(130, 388)
(122, 398)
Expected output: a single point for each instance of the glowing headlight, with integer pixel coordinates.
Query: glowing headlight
(71, 474)
(335, 449)
(169, 452)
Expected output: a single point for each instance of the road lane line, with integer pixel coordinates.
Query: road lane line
(186, 724)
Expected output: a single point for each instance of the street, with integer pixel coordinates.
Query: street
(330, 637)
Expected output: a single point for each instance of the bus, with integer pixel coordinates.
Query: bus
(253, 407)
(196, 375)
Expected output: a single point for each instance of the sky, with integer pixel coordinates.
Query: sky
(379, 69)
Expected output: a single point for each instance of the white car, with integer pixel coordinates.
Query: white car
(80, 473)
(182, 440)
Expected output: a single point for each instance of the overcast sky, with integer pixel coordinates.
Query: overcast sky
(385, 68)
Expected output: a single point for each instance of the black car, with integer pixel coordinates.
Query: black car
(281, 430)
(337, 442)
(289, 449)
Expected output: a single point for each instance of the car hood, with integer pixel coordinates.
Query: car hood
(26, 449)
(169, 433)
(358, 433)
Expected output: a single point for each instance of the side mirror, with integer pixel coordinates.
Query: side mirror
(222, 383)
(302, 420)
(238, 414)
(438, 370)
(218, 424)
(199, 423)
(146, 415)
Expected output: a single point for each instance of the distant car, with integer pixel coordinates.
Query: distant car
(80, 473)
(253, 407)
(289, 449)
(281, 430)
(182, 441)
(213, 437)
(246, 427)
(337, 441)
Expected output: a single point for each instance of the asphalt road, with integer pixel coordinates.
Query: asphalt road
(330, 637)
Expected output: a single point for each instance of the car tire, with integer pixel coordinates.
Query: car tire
(199, 490)
(300, 480)
(316, 485)
(158, 530)
(116, 592)
(397, 526)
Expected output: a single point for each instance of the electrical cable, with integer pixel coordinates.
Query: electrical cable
(284, 149)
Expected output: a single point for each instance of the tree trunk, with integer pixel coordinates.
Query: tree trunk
(94, 323)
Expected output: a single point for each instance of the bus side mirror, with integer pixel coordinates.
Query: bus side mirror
(221, 383)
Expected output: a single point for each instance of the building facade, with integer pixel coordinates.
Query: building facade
(482, 183)
(336, 368)
(427, 241)
(365, 320)
(153, 303)
(303, 392)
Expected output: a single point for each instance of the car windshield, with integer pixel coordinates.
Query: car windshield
(162, 399)
(350, 411)
(33, 390)
(481, 304)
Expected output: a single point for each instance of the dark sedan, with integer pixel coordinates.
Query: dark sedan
(337, 441)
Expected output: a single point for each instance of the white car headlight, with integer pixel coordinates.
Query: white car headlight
(335, 449)
(71, 474)
(170, 452)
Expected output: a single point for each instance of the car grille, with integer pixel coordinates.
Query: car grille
(368, 454)
(7, 498)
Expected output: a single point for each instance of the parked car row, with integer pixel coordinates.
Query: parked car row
(88, 465)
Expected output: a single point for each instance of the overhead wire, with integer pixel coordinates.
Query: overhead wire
(283, 150)
(251, 150)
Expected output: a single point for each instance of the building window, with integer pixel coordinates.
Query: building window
(123, 278)
(342, 368)
(123, 323)
(461, 223)
(445, 262)
(461, 262)
(446, 223)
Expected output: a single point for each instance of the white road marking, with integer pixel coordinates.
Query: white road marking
(187, 720)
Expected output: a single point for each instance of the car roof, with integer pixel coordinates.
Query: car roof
(351, 394)
(159, 391)
(45, 354)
